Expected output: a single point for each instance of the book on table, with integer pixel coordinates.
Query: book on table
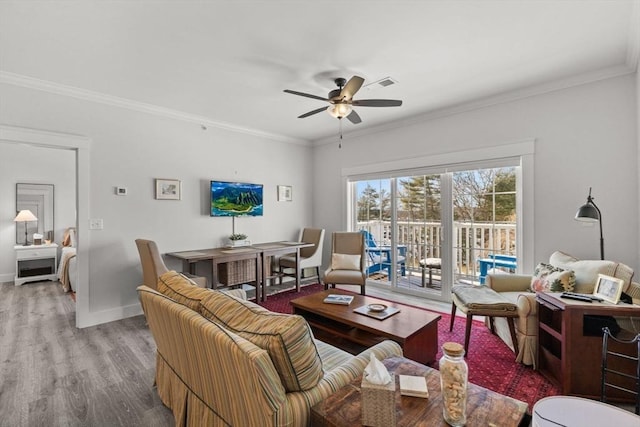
(338, 299)
(412, 385)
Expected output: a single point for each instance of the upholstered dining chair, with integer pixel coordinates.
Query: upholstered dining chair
(153, 266)
(310, 257)
(347, 261)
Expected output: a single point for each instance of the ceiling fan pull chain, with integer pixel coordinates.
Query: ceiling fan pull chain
(340, 128)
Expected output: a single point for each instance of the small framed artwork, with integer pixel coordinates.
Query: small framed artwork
(608, 288)
(168, 189)
(284, 193)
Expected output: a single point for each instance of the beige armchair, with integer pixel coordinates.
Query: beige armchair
(517, 289)
(153, 266)
(310, 257)
(348, 261)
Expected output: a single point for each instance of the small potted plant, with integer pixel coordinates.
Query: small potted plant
(238, 239)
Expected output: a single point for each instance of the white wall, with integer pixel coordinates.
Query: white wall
(37, 165)
(585, 137)
(130, 149)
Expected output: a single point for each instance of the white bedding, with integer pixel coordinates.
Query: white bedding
(68, 268)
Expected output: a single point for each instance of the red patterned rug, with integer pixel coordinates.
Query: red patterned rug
(491, 362)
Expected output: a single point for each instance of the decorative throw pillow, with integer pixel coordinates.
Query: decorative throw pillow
(345, 262)
(287, 338)
(547, 278)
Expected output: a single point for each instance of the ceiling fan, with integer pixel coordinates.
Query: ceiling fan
(341, 100)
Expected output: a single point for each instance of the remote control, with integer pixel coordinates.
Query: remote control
(576, 297)
(591, 297)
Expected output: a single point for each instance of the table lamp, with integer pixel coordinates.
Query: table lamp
(25, 216)
(589, 212)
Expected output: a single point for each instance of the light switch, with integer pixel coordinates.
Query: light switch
(95, 224)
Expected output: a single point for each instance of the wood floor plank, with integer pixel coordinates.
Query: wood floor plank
(52, 373)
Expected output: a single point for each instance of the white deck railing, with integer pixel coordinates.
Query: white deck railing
(472, 241)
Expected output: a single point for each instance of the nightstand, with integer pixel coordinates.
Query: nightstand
(36, 263)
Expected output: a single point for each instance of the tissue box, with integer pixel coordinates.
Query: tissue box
(378, 403)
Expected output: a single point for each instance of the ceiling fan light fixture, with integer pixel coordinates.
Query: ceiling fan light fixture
(339, 110)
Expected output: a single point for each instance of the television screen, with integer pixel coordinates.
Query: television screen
(236, 199)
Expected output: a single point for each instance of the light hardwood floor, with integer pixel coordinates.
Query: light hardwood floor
(53, 374)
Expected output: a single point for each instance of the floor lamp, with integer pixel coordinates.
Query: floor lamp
(25, 216)
(589, 212)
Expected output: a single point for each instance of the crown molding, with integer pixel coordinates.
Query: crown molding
(114, 101)
(515, 95)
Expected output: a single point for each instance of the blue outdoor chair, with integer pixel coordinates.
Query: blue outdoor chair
(380, 256)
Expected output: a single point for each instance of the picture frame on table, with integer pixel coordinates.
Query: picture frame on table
(168, 189)
(608, 288)
(284, 193)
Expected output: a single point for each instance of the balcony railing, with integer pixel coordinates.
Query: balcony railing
(472, 242)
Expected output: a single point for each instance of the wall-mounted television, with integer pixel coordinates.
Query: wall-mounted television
(235, 199)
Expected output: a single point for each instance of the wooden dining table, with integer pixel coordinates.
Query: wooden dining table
(260, 252)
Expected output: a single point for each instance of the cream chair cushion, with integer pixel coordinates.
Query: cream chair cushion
(587, 271)
(345, 262)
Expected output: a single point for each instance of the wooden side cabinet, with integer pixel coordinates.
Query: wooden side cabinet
(35, 263)
(570, 347)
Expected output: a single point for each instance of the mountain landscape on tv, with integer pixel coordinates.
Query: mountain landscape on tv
(235, 199)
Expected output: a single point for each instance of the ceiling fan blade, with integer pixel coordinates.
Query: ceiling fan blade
(377, 103)
(311, 113)
(353, 85)
(308, 95)
(354, 117)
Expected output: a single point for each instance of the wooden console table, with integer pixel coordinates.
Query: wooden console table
(569, 355)
(259, 252)
(484, 407)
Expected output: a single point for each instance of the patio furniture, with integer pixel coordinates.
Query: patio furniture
(380, 256)
(429, 264)
(496, 260)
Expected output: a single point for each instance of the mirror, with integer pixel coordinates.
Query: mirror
(38, 198)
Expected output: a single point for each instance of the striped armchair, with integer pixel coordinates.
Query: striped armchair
(224, 361)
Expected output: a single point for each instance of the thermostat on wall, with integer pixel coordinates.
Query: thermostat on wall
(121, 191)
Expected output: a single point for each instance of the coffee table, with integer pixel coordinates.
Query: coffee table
(416, 330)
(484, 407)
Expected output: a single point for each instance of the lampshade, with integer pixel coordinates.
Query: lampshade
(588, 213)
(24, 216)
(339, 110)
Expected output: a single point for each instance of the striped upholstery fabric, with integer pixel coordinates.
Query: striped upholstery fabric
(198, 361)
(181, 289)
(287, 338)
(210, 376)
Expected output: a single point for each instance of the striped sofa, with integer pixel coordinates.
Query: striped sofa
(225, 361)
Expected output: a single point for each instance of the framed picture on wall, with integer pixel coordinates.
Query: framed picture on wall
(284, 193)
(168, 189)
(608, 288)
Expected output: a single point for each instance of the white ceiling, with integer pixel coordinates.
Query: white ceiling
(226, 63)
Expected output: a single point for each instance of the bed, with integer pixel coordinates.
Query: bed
(68, 267)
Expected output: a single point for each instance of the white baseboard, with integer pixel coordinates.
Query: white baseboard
(111, 315)
(8, 277)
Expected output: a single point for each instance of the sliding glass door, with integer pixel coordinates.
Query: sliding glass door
(428, 231)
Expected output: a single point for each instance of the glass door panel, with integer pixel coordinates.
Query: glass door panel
(419, 224)
(373, 217)
(484, 214)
